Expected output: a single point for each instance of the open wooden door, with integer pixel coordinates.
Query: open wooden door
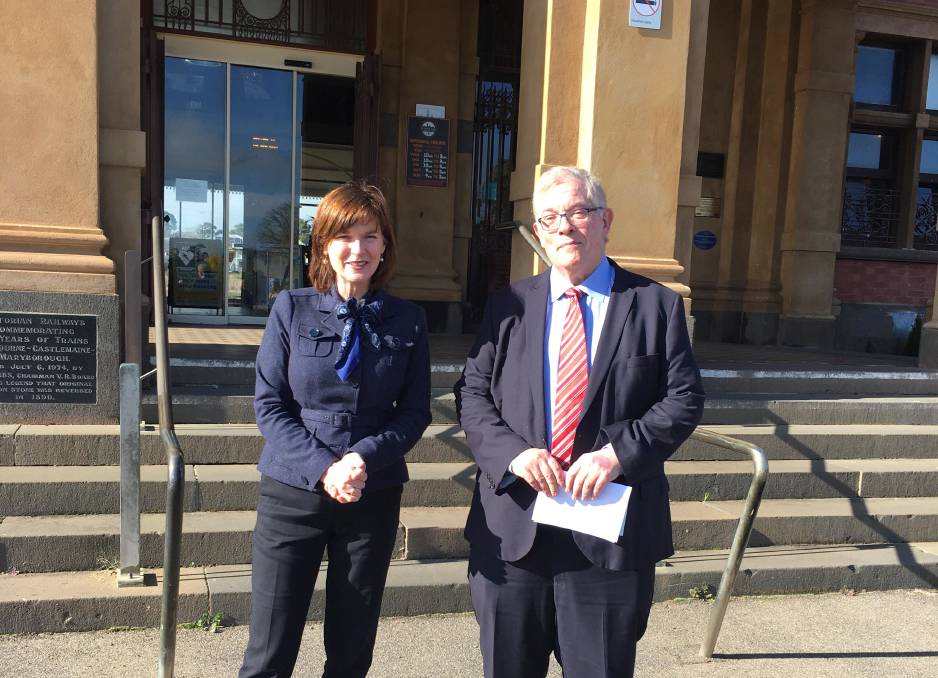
(367, 101)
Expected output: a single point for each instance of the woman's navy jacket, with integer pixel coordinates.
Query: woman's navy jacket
(310, 418)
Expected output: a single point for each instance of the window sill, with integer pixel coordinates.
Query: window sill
(888, 254)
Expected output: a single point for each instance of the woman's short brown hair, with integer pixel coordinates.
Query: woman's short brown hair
(342, 207)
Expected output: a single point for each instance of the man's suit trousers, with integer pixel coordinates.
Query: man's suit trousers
(294, 528)
(555, 600)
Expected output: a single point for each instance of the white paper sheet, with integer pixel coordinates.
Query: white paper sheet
(603, 517)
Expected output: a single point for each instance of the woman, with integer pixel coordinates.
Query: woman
(343, 392)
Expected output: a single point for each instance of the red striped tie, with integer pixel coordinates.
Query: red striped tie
(572, 378)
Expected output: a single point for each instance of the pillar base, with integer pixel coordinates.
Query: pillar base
(806, 331)
(928, 347)
(760, 328)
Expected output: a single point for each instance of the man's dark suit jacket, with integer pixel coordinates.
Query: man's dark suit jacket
(644, 397)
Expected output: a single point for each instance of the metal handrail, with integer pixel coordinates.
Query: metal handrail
(176, 478)
(753, 500)
(743, 529)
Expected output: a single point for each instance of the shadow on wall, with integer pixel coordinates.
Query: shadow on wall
(879, 328)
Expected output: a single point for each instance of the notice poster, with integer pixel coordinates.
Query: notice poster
(427, 161)
(195, 273)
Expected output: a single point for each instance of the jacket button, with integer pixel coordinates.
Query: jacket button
(315, 332)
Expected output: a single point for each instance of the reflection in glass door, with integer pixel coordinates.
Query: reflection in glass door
(194, 185)
(260, 216)
(250, 152)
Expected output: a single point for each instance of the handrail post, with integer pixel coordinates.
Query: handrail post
(175, 484)
(129, 573)
(743, 530)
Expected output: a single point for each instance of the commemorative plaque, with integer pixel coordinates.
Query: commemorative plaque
(48, 358)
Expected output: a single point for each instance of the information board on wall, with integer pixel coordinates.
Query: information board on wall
(427, 152)
(48, 358)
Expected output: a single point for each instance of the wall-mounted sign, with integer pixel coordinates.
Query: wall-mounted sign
(427, 160)
(705, 240)
(195, 270)
(48, 358)
(645, 13)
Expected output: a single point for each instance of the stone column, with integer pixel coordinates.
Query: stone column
(608, 97)
(762, 298)
(548, 109)
(811, 238)
(51, 241)
(427, 71)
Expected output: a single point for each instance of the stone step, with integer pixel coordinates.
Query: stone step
(86, 542)
(840, 379)
(69, 490)
(224, 404)
(85, 601)
(221, 406)
(98, 445)
(750, 409)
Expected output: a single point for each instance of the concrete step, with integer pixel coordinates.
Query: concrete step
(192, 371)
(84, 601)
(819, 378)
(85, 542)
(33, 445)
(71, 490)
(68, 490)
(749, 409)
(225, 404)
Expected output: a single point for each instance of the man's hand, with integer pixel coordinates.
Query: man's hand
(345, 478)
(539, 469)
(590, 472)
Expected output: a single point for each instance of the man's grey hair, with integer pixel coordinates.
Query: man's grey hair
(561, 175)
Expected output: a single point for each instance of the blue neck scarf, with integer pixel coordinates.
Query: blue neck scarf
(360, 317)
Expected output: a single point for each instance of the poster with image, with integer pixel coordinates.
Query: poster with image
(195, 273)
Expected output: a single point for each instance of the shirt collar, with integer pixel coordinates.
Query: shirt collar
(598, 284)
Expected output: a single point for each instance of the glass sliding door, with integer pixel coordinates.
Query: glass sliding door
(194, 185)
(250, 151)
(260, 216)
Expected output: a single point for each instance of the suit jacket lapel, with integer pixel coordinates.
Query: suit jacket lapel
(621, 302)
(535, 316)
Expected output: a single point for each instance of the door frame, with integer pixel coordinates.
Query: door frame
(231, 53)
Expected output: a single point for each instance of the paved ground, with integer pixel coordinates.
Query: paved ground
(875, 635)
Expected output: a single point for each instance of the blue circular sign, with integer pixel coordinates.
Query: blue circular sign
(705, 240)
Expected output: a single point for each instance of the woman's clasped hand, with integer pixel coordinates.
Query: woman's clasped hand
(345, 479)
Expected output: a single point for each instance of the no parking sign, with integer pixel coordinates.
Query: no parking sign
(645, 13)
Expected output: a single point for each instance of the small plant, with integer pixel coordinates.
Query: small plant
(206, 622)
(13, 571)
(706, 495)
(702, 592)
(104, 563)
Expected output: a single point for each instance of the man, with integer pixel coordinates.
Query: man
(580, 376)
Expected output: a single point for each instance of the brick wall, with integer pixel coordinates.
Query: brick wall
(884, 282)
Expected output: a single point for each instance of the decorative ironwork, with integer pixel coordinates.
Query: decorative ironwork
(870, 214)
(337, 25)
(274, 29)
(179, 15)
(925, 235)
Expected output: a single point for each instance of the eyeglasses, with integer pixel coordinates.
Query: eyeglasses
(578, 216)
